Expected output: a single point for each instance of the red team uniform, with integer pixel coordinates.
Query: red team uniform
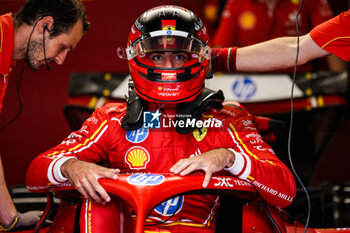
(6, 49)
(334, 35)
(101, 138)
(250, 21)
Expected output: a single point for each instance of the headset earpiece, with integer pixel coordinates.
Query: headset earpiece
(45, 27)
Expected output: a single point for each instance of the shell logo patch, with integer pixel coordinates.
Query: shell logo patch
(168, 24)
(247, 20)
(199, 134)
(137, 157)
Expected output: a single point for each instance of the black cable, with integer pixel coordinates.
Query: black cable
(44, 47)
(76, 228)
(164, 221)
(50, 208)
(271, 218)
(291, 124)
(18, 80)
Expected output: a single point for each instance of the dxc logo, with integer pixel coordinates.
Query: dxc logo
(151, 120)
(223, 182)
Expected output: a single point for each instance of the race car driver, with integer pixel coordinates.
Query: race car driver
(168, 55)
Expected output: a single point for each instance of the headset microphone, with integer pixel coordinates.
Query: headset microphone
(45, 27)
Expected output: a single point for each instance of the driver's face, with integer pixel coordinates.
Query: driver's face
(169, 59)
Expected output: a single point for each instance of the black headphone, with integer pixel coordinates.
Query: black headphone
(45, 27)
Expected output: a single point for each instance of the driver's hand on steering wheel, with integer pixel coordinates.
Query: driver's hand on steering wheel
(84, 177)
(211, 161)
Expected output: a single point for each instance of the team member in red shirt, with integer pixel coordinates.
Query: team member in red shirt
(41, 31)
(168, 56)
(330, 37)
(6, 50)
(249, 22)
(334, 36)
(208, 11)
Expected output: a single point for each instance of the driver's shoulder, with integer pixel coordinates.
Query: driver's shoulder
(113, 109)
(229, 110)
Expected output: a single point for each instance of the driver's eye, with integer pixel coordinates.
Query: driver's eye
(156, 57)
(180, 57)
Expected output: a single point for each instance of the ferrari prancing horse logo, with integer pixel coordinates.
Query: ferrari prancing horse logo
(168, 24)
(199, 134)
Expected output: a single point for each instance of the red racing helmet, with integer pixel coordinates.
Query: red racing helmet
(168, 29)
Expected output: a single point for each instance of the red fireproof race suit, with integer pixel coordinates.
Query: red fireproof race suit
(6, 50)
(334, 35)
(156, 150)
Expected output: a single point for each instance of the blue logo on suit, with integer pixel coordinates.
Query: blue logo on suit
(137, 136)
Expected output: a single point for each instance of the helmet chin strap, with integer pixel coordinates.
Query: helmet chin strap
(135, 106)
(194, 110)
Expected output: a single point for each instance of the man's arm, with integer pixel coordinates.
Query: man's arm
(84, 177)
(7, 208)
(276, 54)
(9, 217)
(211, 162)
(74, 160)
(248, 157)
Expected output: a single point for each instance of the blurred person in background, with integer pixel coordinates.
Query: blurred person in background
(249, 22)
(207, 10)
